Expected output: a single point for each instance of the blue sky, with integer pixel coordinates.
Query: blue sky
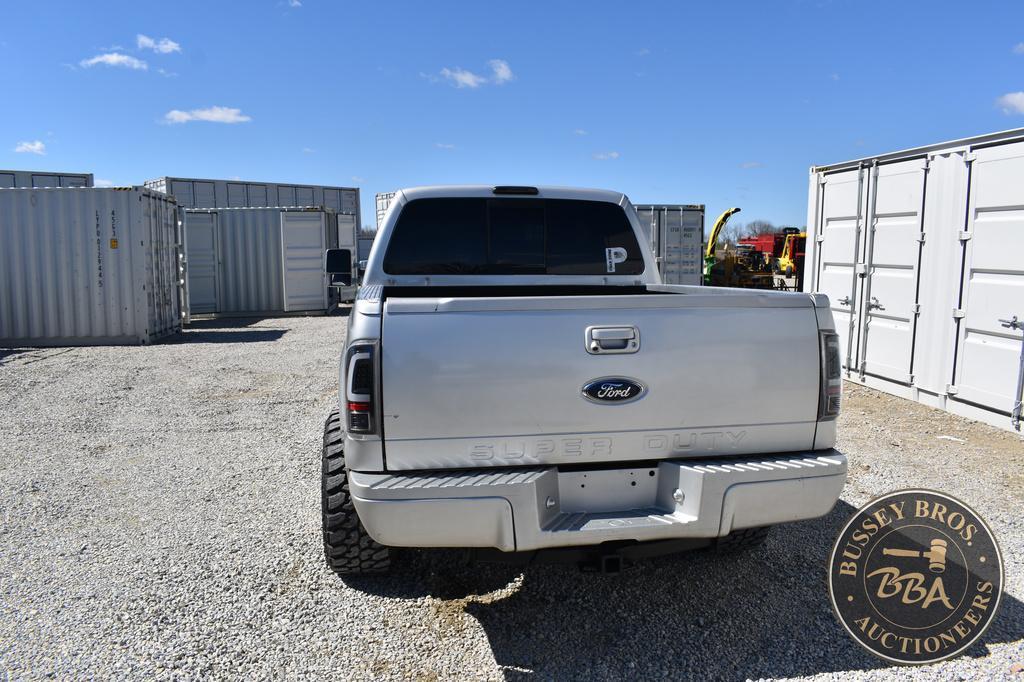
(719, 103)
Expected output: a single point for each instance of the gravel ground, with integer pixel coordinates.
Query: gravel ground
(161, 519)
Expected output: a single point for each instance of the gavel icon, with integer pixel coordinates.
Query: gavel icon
(936, 556)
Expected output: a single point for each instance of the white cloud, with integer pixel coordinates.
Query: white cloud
(643, 52)
(751, 164)
(295, 3)
(34, 147)
(163, 46)
(100, 182)
(580, 131)
(167, 74)
(1011, 103)
(308, 150)
(115, 59)
(502, 71)
(462, 78)
(605, 156)
(356, 178)
(834, 76)
(459, 77)
(1018, 48)
(210, 114)
(444, 145)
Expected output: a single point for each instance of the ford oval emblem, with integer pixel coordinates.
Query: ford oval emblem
(613, 390)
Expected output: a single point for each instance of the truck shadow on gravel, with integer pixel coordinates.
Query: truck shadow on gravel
(764, 613)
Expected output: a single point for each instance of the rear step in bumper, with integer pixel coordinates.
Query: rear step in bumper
(535, 508)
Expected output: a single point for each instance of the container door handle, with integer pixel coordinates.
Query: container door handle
(606, 340)
(845, 300)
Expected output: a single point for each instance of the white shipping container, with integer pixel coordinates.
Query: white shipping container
(676, 237)
(258, 261)
(919, 252)
(203, 193)
(383, 200)
(14, 178)
(88, 266)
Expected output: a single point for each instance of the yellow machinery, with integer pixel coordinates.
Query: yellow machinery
(734, 268)
(792, 250)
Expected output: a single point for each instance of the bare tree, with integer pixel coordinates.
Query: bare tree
(756, 227)
(734, 232)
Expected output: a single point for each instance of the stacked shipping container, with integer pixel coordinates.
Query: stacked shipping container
(12, 178)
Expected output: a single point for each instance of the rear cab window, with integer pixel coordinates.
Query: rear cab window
(500, 236)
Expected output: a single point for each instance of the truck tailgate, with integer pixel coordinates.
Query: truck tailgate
(473, 382)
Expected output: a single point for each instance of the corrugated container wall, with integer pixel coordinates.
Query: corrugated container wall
(202, 193)
(919, 252)
(14, 178)
(676, 234)
(88, 266)
(235, 259)
(383, 200)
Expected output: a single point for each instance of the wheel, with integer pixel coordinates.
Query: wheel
(348, 548)
(740, 540)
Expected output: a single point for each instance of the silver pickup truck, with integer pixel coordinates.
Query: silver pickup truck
(517, 380)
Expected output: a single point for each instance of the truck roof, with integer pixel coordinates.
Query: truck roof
(544, 191)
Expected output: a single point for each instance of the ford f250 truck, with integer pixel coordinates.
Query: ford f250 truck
(516, 380)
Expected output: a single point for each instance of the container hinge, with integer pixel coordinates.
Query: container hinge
(951, 389)
(861, 270)
(921, 237)
(959, 313)
(926, 163)
(969, 157)
(915, 309)
(964, 236)
(819, 238)
(822, 179)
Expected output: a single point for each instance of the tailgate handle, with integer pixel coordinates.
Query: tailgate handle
(605, 340)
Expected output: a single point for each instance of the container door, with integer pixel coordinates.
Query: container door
(893, 254)
(6, 180)
(205, 195)
(681, 232)
(258, 195)
(303, 242)
(838, 253)
(182, 191)
(46, 181)
(350, 200)
(236, 194)
(285, 196)
(203, 258)
(346, 231)
(992, 280)
(332, 199)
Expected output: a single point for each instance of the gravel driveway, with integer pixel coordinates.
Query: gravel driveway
(161, 519)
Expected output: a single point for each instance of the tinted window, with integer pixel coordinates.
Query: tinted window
(512, 236)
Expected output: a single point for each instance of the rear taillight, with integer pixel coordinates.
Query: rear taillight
(831, 377)
(361, 389)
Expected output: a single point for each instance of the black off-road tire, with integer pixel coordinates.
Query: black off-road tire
(740, 540)
(348, 548)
